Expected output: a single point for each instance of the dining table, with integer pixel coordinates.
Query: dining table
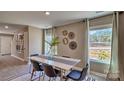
(62, 63)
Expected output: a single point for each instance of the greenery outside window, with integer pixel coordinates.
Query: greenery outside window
(50, 42)
(100, 44)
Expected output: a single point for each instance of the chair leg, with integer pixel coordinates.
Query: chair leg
(30, 68)
(65, 78)
(49, 78)
(54, 78)
(32, 73)
(42, 73)
(35, 73)
(43, 76)
(39, 75)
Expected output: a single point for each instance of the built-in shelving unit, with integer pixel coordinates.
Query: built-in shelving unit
(20, 43)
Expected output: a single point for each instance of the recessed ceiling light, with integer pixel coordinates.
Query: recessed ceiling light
(99, 11)
(6, 27)
(47, 13)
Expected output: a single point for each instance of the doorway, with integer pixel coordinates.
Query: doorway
(5, 44)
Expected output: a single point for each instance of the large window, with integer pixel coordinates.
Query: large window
(48, 38)
(100, 45)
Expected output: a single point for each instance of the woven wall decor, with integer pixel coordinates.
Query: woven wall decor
(72, 45)
(65, 41)
(71, 35)
(65, 33)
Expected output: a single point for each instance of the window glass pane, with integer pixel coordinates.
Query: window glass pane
(100, 45)
(48, 38)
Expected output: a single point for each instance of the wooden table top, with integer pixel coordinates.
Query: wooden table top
(57, 61)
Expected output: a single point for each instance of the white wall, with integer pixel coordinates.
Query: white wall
(35, 40)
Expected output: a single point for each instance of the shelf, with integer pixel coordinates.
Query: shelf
(20, 43)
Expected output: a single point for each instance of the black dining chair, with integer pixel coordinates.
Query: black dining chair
(36, 67)
(51, 72)
(30, 67)
(78, 75)
(34, 55)
(66, 56)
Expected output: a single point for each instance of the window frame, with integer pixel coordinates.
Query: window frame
(97, 28)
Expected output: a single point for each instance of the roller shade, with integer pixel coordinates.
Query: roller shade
(101, 21)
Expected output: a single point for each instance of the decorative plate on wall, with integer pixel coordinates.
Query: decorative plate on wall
(65, 41)
(71, 35)
(65, 32)
(72, 45)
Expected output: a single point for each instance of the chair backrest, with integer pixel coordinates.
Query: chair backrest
(49, 71)
(36, 65)
(66, 56)
(83, 73)
(34, 55)
(87, 65)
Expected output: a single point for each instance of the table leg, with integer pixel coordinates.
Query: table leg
(62, 74)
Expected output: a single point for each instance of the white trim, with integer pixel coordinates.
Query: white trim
(18, 58)
(26, 59)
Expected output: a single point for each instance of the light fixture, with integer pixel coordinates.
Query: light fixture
(6, 27)
(99, 11)
(47, 13)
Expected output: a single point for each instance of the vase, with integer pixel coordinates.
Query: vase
(50, 53)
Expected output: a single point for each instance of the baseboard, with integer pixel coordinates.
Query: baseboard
(5, 54)
(26, 59)
(18, 58)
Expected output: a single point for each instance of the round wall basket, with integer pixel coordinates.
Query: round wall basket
(71, 35)
(65, 32)
(72, 45)
(65, 41)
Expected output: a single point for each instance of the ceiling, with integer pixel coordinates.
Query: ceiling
(11, 27)
(39, 19)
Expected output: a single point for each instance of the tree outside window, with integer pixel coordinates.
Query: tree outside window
(100, 44)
